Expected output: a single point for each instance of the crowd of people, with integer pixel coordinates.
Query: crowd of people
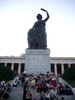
(46, 86)
(42, 84)
(4, 90)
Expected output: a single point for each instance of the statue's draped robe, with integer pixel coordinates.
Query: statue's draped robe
(37, 36)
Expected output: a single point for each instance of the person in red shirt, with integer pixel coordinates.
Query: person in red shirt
(39, 86)
(28, 95)
(60, 89)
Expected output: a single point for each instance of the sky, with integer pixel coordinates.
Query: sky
(18, 16)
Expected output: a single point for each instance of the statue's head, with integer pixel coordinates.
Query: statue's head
(39, 16)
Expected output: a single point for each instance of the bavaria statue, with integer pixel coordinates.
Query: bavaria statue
(37, 38)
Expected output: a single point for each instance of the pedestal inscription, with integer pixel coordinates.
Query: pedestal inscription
(37, 61)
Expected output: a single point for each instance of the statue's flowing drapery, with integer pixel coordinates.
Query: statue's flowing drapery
(37, 36)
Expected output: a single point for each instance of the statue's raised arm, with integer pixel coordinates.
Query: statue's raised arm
(46, 13)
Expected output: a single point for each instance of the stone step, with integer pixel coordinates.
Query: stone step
(67, 97)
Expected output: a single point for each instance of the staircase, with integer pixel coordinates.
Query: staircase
(67, 97)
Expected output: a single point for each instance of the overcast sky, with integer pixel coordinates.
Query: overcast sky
(18, 16)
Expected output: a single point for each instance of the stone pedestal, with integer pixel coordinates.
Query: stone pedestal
(37, 61)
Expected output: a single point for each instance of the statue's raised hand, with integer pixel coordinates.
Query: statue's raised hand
(43, 9)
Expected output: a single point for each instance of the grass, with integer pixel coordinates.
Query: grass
(71, 82)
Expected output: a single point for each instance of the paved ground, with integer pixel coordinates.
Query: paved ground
(17, 94)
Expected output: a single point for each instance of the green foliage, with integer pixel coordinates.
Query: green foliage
(71, 82)
(6, 73)
(69, 73)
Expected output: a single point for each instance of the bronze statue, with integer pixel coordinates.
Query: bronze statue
(37, 38)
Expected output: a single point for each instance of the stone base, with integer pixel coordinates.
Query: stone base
(37, 61)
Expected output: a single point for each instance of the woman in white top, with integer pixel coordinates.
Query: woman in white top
(47, 95)
(53, 92)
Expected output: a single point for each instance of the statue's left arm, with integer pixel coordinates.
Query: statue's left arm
(46, 13)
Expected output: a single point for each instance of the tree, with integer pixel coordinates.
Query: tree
(69, 73)
(6, 73)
